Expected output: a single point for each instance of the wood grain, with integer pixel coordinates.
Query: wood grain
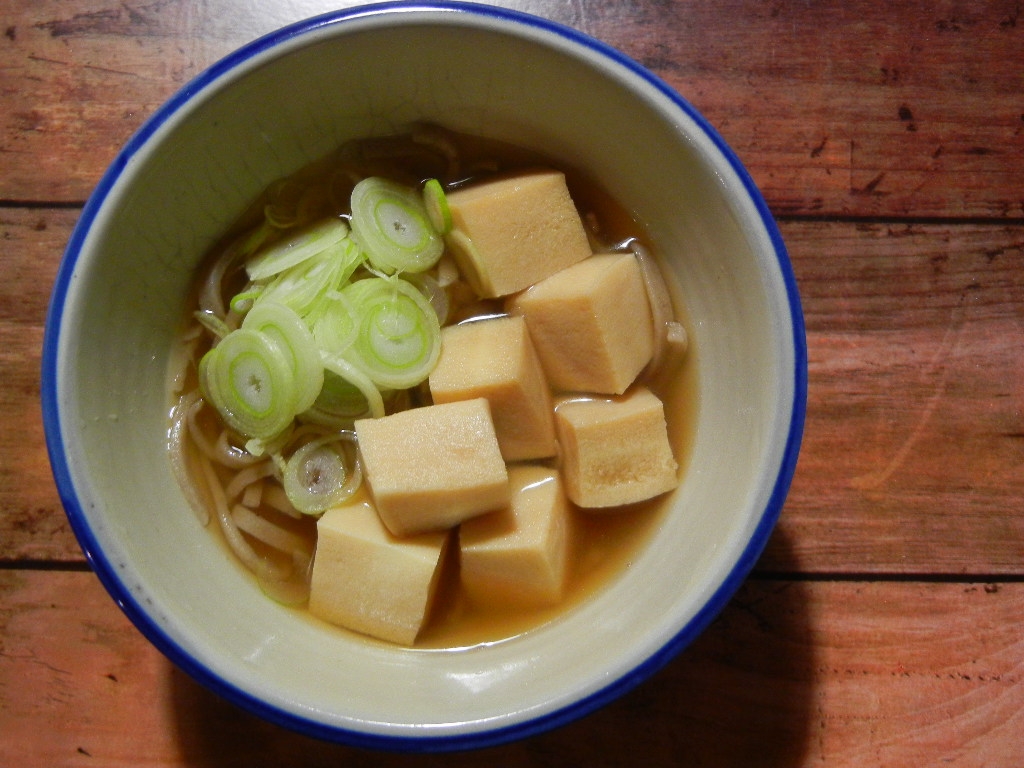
(792, 673)
(913, 456)
(838, 108)
(855, 108)
(32, 521)
(882, 624)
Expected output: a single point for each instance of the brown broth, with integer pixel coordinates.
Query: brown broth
(603, 543)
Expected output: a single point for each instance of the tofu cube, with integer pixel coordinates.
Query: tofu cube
(518, 555)
(495, 359)
(590, 324)
(615, 451)
(430, 468)
(511, 232)
(369, 581)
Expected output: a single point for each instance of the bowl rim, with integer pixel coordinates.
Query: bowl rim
(150, 628)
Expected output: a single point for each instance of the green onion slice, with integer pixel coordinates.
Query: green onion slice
(250, 381)
(466, 255)
(304, 285)
(295, 249)
(256, 238)
(350, 373)
(322, 473)
(242, 302)
(286, 329)
(391, 224)
(399, 336)
(334, 327)
(339, 403)
(436, 204)
(433, 293)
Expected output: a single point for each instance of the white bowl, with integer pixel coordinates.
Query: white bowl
(272, 107)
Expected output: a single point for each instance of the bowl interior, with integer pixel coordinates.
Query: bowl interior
(272, 108)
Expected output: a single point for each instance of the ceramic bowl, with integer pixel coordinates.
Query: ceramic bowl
(272, 107)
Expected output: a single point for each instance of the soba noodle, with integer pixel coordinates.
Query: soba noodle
(239, 483)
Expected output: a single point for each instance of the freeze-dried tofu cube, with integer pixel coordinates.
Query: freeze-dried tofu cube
(369, 581)
(615, 451)
(518, 555)
(495, 359)
(514, 231)
(430, 468)
(590, 324)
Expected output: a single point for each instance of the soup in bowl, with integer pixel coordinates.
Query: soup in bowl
(650, 181)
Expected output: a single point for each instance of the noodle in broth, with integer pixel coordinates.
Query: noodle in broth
(240, 493)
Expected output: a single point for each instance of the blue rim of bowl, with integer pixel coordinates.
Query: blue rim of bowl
(457, 741)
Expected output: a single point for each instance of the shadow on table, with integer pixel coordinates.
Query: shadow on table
(741, 695)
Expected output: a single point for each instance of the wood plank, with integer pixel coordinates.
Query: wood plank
(913, 457)
(913, 460)
(857, 108)
(838, 108)
(32, 521)
(791, 674)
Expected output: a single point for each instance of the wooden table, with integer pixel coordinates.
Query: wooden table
(884, 625)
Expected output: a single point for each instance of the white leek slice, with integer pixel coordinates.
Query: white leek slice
(391, 224)
(434, 293)
(242, 302)
(288, 252)
(249, 380)
(399, 337)
(286, 329)
(302, 286)
(322, 473)
(350, 373)
(436, 204)
(334, 328)
(339, 403)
